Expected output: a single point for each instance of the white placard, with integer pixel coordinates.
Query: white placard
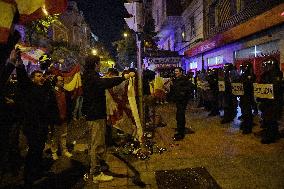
(221, 85)
(237, 89)
(263, 90)
(204, 85)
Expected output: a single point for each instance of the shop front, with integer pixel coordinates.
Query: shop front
(257, 54)
(252, 40)
(164, 66)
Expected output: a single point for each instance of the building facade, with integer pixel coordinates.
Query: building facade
(167, 16)
(73, 29)
(210, 33)
(191, 32)
(239, 30)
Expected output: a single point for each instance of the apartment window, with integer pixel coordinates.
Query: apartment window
(169, 44)
(212, 16)
(158, 17)
(237, 4)
(192, 26)
(183, 34)
(164, 8)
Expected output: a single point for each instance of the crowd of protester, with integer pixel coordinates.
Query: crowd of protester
(37, 104)
(216, 101)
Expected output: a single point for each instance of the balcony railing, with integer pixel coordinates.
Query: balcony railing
(250, 11)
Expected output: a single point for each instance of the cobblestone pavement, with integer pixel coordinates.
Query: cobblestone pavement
(234, 160)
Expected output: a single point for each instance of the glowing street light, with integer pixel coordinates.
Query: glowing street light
(125, 34)
(94, 51)
(44, 10)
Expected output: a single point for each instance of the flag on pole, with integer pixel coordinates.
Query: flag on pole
(31, 54)
(72, 81)
(7, 11)
(29, 10)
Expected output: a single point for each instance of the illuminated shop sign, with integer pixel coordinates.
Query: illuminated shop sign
(164, 60)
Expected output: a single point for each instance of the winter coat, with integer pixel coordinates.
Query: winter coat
(181, 89)
(37, 103)
(94, 103)
(5, 113)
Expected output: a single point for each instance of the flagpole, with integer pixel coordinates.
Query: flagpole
(140, 78)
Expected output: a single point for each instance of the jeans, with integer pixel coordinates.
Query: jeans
(97, 145)
(77, 113)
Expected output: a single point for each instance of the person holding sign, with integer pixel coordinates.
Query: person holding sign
(247, 78)
(230, 101)
(271, 108)
(214, 91)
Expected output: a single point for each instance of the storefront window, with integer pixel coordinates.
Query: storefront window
(193, 65)
(213, 61)
(257, 50)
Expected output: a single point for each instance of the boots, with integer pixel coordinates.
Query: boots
(272, 133)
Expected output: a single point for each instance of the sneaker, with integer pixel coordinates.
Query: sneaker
(55, 156)
(102, 178)
(67, 154)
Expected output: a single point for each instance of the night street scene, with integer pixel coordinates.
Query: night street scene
(129, 94)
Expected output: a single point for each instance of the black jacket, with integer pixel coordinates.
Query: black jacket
(5, 73)
(181, 89)
(5, 113)
(37, 103)
(94, 99)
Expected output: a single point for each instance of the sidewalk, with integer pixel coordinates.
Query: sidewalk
(234, 160)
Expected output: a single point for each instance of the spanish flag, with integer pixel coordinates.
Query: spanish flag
(29, 10)
(7, 11)
(72, 80)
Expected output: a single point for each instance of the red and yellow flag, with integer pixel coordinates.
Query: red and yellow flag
(7, 11)
(29, 10)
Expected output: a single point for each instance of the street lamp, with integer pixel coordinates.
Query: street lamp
(125, 34)
(95, 52)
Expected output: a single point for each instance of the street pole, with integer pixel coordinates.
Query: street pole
(140, 78)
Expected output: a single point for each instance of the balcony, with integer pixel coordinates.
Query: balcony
(252, 10)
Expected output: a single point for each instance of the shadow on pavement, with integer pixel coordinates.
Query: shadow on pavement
(71, 177)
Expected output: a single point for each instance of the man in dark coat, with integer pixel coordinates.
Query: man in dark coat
(38, 103)
(94, 108)
(247, 78)
(230, 101)
(7, 114)
(271, 108)
(214, 91)
(181, 90)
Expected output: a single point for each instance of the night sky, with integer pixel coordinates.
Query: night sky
(105, 18)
